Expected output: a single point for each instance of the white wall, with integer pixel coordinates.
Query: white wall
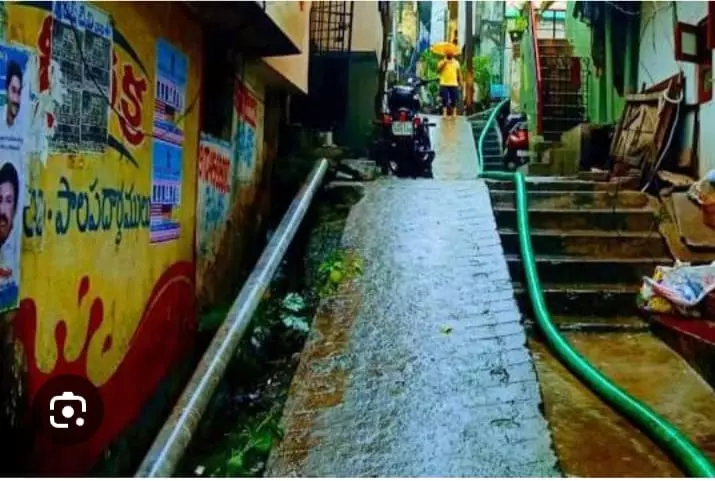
(439, 15)
(656, 62)
(462, 21)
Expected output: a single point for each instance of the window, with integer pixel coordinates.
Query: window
(690, 42)
(219, 72)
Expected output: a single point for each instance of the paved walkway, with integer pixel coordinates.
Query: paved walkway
(419, 367)
(456, 157)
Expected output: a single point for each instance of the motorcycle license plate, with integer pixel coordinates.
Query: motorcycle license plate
(522, 153)
(402, 128)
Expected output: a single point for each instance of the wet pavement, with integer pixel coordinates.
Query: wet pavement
(452, 140)
(419, 367)
(590, 438)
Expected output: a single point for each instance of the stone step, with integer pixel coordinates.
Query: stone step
(694, 340)
(493, 159)
(491, 152)
(571, 323)
(589, 244)
(491, 141)
(579, 270)
(573, 200)
(598, 300)
(632, 220)
(557, 184)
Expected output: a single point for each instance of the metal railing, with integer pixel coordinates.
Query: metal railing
(174, 437)
(537, 66)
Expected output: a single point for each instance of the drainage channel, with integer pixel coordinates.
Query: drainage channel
(576, 417)
(170, 444)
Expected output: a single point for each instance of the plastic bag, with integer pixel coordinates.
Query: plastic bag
(683, 285)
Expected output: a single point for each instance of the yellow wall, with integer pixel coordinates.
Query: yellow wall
(289, 17)
(123, 274)
(294, 68)
(68, 278)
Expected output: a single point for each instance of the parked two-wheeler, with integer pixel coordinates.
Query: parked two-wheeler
(515, 135)
(404, 146)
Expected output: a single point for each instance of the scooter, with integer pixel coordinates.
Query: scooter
(405, 149)
(515, 132)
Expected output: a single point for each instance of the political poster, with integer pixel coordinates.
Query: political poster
(15, 116)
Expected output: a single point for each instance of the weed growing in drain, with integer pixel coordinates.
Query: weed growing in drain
(236, 438)
(255, 442)
(247, 412)
(341, 265)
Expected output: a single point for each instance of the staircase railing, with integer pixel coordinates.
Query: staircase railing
(539, 80)
(680, 449)
(532, 85)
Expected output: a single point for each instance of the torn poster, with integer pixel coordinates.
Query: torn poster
(15, 116)
(244, 139)
(214, 195)
(167, 157)
(82, 47)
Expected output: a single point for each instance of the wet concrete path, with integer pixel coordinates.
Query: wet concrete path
(419, 367)
(456, 152)
(590, 438)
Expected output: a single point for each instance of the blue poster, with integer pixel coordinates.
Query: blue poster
(171, 72)
(166, 191)
(169, 111)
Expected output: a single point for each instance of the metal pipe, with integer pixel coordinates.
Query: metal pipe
(680, 449)
(175, 435)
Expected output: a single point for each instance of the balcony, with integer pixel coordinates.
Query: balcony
(257, 29)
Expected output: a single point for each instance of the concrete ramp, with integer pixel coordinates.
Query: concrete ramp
(453, 143)
(419, 367)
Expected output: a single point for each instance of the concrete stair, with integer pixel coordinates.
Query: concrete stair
(593, 243)
(492, 142)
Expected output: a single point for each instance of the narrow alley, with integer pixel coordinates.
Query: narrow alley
(357, 239)
(420, 367)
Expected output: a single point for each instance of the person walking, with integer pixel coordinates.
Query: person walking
(450, 79)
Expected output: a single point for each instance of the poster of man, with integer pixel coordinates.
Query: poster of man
(15, 112)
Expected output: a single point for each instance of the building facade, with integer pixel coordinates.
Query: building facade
(148, 134)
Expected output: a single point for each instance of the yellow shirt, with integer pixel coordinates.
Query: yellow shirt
(448, 75)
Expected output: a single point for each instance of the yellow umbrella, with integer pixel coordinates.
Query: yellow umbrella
(443, 48)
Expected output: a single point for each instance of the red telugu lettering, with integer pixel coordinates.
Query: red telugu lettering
(133, 89)
(214, 168)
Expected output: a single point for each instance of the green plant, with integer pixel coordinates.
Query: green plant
(249, 449)
(292, 315)
(340, 265)
(520, 24)
(482, 75)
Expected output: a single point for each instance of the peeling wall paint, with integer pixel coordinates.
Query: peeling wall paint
(225, 247)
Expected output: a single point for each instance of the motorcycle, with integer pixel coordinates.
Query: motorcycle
(515, 132)
(405, 149)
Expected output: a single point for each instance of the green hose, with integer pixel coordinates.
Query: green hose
(693, 462)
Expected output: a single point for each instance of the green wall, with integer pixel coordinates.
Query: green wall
(362, 88)
(600, 88)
